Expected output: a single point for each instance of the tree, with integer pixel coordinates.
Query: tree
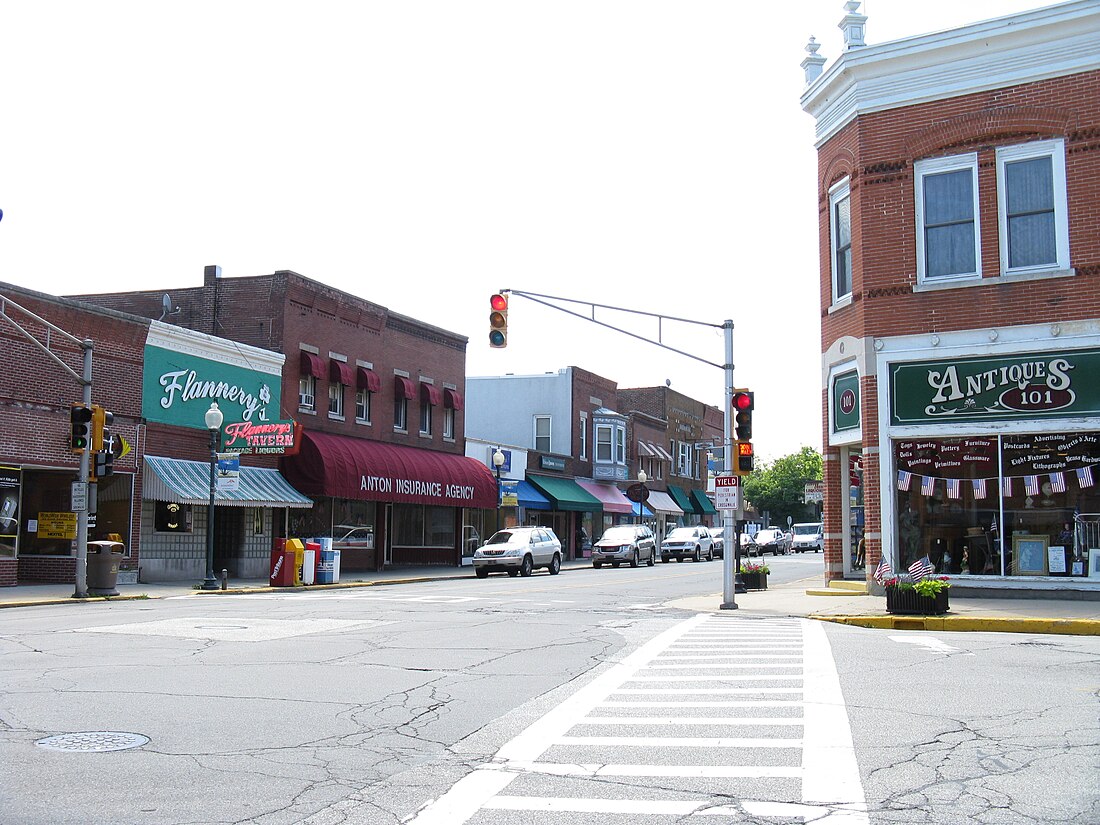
(778, 487)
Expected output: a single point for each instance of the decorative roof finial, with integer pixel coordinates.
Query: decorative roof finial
(813, 64)
(853, 25)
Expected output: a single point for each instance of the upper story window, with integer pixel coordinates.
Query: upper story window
(448, 422)
(1032, 206)
(684, 455)
(542, 433)
(603, 442)
(620, 445)
(336, 399)
(584, 435)
(840, 239)
(307, 393)
(948, 239)
(362, 405)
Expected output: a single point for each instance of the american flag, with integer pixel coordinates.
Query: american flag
(1031, 485)
(921, 569)
(904, 480)
(979, 488)
(1006, 486)
(1084, 477)
(1058, 482)
(993, 524)
(885, 570)
(927, 486)
(954, 488)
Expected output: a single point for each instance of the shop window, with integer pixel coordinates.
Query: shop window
(172, 517)
(955, 507)
(840, 238)
(423, 525)
(1031, 194)
(948, 240)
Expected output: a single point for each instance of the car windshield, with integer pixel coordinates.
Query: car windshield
(766, 535)
(619, 534)
(681, 534)
(806, 529)
(503, 537)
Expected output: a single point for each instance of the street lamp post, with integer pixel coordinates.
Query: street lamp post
(498, 462)
(214, 420)
(642, 479)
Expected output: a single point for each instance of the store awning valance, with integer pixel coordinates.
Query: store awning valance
(681, 498)
(188, 482)
(531, 498)
(662, 502)
(566, 495)
(339, 372)
(703, 505)
(609, 495)
(310, 364)
(367, 380)
(452, 398)
(343, 467)
(403, 388)
(429, 394)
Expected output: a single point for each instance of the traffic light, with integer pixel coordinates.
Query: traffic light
(742, 414)
(80, 420)
(742, 465)
(498, 320)
(102, 441)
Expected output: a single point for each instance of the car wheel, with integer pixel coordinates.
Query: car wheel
(679, 559)
(652, 559)
(710, 555)
(513, 572)
(481, 573)
(527, 566)
(634, 559)
(555, 565)
(664, 559)
(696, 556)
(597, 565)
(615, 564)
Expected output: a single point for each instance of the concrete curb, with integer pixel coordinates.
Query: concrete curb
(988, 624)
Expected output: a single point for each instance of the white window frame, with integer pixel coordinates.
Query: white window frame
(448, 422)
(584, 436)
(549, 432)
(683, 459)
(425, 417)
(620, 445)
(839, 192)
(936, 166)
(604, 441)
(336, 400)
(1055, 149)
(362, 406)
(307, 393)
(401, 413)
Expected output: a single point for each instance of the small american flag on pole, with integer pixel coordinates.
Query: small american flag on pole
(921, 569)
(1031, 485)
(1058, 482)
(979, 488)
(885, 570)
(928, 486)
(1084, 477)
(905, 479)
(954, 488)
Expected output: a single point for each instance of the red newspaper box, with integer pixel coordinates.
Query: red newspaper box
(282, 565)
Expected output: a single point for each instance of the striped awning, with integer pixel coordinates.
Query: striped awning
(662, 502)
(188, 482)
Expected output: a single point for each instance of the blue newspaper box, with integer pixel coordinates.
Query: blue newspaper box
(328, 568)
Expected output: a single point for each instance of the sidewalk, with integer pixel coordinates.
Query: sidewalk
(1079, 618)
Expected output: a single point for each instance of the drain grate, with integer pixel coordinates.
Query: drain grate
(95, 741)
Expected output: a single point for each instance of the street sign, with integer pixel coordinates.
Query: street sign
(79, 495)
(229, 471)
(638, 493)
(727, 492)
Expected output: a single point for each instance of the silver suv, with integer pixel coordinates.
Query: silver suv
(517, 551)
(626, 543)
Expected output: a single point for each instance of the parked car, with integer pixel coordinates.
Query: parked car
(718, 541)
(517, 551)
(687, 543)
(807, 537)
(749, 547)
(772, 541)
(626, 543)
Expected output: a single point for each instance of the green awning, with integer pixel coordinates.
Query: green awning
(681, 499)
(703, 505)
(566, 495)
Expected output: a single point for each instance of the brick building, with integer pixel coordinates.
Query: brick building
(958, 188)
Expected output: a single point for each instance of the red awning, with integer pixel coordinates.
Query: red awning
(339, 372)
(368, 380)
(609, 495)
(429, 394)
(452, 398)
(343, 467)
(403, 387)
(311, 364)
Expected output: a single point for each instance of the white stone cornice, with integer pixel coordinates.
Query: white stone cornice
(190, 342)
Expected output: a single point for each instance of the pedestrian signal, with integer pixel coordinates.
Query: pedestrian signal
(743, 464)
(498, 321)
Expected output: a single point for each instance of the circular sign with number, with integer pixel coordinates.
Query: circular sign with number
(638, 493)
(847, 402)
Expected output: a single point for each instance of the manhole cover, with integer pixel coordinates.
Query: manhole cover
(95, 741)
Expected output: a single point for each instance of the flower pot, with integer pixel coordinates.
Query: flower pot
(755, 581)
(899, 600)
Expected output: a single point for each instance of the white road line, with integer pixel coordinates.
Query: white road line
(709, 691)
(722, 666)
(593, 806)
(763, 703)
(666, 657)
(465, 798)
(829, 768)
(928, 642)
(689, 720)
(729, 677)
(684, 771)
(678, 742)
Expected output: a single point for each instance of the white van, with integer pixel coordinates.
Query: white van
(807, 537)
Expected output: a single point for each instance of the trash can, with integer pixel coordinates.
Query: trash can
(309, 562)
(328, 569)
(282, 565)
(103, 561)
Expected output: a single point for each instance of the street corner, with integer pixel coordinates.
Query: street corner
(971, 624)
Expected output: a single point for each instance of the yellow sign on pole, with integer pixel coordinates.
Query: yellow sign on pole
(57, 525)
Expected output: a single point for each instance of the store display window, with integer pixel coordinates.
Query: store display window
(1012, 505)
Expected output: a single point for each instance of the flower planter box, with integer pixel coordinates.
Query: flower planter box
(911, 602)
(755, 581)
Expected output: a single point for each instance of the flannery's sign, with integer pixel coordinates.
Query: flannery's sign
(1040, 385)
(246, 437)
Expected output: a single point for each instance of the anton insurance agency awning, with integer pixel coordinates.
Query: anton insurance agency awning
(188, 482)
(566, 495)
(609, 495)
(703, 505)
(662, 502)
(531, 498)
(343, 467)
(683, 501)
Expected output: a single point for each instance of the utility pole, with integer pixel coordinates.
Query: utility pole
(80, 487)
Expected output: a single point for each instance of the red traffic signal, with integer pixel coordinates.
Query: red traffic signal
(743, 403)
(498, 320)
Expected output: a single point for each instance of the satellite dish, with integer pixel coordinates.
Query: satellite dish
(166, 307)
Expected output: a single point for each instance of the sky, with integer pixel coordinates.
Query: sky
(649, 156)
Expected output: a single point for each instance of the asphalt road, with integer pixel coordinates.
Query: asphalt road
(579, 698)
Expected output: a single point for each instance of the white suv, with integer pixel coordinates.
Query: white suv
(687, 543)
(807, 537)
(517, 551)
